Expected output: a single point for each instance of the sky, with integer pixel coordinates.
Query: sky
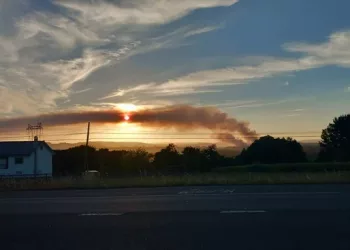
(281, 65)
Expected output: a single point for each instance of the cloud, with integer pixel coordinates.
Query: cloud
(69, 72)
(347, 89)
(237, 75)
(8, 51)
(136, 104)
(122, 92)
(195, 32)
(46, 53)
(152, 89)
(82, 91)
(57, 29)
(286, 83)
(336, 51)
(28, 89)
(333, 52)
(146, 12)
(248, 104)
(291, 115)
(43, 53)
(184, 91)
(173, 39)
(20, 101)
(180, 117)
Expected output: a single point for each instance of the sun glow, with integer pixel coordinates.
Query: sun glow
(126, 117)
(126, 107)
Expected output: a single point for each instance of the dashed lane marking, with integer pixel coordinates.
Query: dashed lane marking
(101, 214)
(242, 211)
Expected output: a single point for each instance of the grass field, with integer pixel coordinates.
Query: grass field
(286, 168)
(185, 180)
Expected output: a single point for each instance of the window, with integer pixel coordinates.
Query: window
(3, 163)
(18, 160)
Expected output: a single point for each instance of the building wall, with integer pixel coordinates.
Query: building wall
(44, 164)
(26, 168)
(44, 161)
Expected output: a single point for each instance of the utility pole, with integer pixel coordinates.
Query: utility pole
(86, 163)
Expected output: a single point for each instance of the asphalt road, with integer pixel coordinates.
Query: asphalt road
(229, 217)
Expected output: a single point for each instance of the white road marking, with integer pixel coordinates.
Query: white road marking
(101, 214)
(265, 193)
(242, 211)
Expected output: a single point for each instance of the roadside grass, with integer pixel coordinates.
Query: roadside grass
(287, 168)
(224, 178)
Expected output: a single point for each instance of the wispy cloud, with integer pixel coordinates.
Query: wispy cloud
(199, 31)
(122, 92)
(298, 110)
(56, 29)
(291, 115)
(173, 39)
(46, 52)
(152, 89)
(249, 104)
(145, 12)
(23, 101)
(82, 91)
(68, 72)
(184, 91)
(333, 52)
(235, 104)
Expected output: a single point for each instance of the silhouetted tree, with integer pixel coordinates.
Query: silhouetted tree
(71, 161)
(167, 158)
(210, 158)
(111, 162)
(335, 143)
(272, 150)
(192, 159)
(136, 162)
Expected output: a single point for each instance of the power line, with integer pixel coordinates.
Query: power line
(149, 138)
(120, 139)
(157, 133)
(47, 137)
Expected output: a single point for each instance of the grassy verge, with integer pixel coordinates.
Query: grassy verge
(287, 168)
(186, 180)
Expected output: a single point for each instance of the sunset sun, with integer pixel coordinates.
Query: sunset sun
(126, 117)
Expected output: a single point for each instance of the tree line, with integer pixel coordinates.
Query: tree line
(139, 162)
(334, 146)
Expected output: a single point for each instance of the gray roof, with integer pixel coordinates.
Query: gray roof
(20, 148)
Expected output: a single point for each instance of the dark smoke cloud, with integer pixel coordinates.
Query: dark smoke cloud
(231, 139)
(188, 117)
(181, 117)
(59, 119)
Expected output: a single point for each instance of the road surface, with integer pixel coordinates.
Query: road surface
(217, 217)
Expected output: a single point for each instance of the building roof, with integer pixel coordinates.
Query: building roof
(20, 148)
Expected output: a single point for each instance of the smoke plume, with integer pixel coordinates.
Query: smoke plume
(180, 117)
(231, 139)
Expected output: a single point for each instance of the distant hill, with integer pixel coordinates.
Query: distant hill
(311, 148)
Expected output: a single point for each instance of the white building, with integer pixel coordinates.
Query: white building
(25, 158)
